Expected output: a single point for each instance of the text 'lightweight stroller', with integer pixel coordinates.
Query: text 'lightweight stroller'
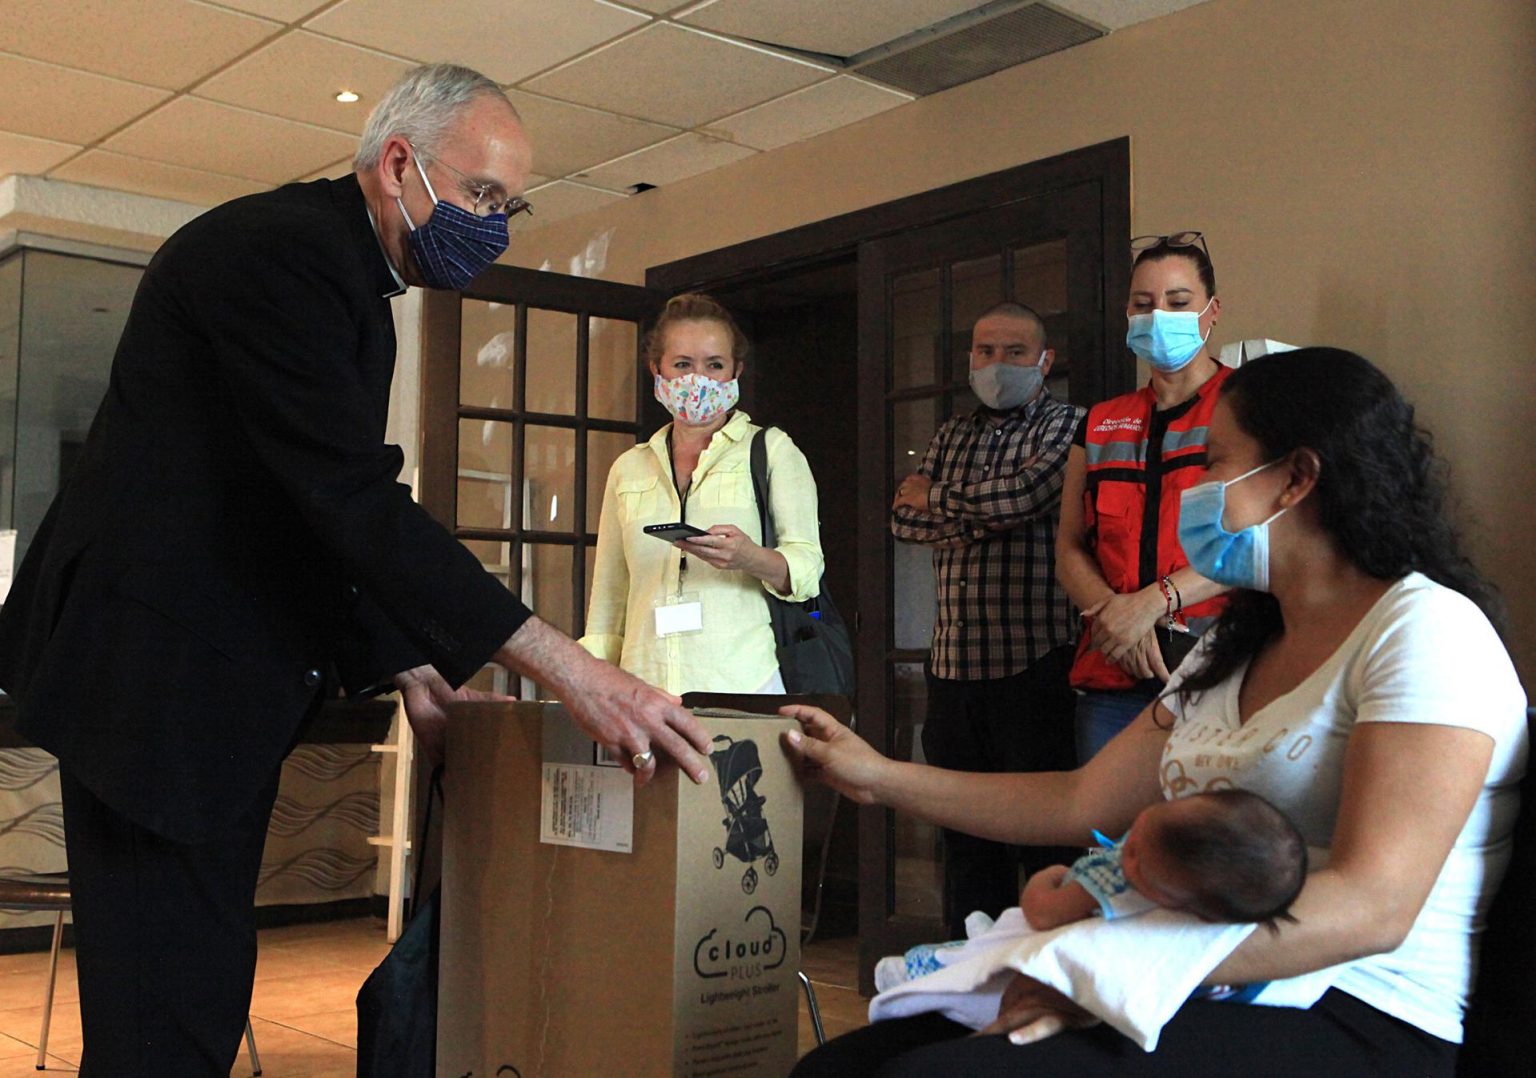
(738, 767)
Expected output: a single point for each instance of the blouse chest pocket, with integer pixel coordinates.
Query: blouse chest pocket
(726, 486)
(639, 498)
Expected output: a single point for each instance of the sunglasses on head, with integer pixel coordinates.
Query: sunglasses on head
(1172, 239)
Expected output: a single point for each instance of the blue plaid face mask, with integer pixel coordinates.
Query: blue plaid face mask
(453, 245)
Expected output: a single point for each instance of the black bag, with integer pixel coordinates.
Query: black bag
(814, 649)
(1174, 644)
(397, 1004)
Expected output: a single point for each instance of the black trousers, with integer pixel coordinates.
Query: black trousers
(165, 937)
(1340, 1037)
(1018, 723)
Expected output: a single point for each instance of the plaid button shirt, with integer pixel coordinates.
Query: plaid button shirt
(992, 516)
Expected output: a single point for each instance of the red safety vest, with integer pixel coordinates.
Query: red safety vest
(1139, 461)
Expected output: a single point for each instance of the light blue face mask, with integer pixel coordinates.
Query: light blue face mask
(1237, 559)
(1168, 340)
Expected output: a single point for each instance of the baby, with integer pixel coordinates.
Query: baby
(1226, 856)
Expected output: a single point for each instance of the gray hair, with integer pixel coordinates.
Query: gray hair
(421, 107)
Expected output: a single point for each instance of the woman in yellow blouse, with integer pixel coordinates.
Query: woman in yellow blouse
(690, 615)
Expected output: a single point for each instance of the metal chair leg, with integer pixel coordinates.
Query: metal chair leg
(53, 976)
(250, 1046)
(810, 1003)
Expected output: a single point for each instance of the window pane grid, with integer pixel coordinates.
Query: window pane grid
(546, 479)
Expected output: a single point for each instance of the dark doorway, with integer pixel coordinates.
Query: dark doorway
(803, 378)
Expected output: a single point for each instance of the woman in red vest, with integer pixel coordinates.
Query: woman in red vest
(1117, 551)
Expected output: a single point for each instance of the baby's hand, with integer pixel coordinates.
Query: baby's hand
(1036, 897)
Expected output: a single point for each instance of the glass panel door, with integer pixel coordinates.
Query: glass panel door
(919, 294)
(533, 377)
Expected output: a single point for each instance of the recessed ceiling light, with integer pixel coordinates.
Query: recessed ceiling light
(346, 97)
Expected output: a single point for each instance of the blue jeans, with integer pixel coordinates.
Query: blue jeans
(1100, 714)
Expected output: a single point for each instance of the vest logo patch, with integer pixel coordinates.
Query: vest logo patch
(1104, 426)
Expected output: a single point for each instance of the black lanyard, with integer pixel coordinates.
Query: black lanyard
(682, 498)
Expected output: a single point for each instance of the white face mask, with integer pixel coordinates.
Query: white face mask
(1004, 386)
(697, 399)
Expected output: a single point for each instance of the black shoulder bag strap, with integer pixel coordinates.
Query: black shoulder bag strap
(760, 489)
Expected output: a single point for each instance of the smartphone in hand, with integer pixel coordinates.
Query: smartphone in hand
(673, 532)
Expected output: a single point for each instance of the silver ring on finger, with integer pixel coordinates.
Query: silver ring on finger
(642, 760)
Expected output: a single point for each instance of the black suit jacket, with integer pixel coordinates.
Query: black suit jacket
(235, 529)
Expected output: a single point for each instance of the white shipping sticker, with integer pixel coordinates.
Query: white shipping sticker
(587, 806)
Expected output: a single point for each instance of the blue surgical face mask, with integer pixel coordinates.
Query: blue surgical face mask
(1237, 559)
(1005, 386)
(1168, 340)
(453, 245)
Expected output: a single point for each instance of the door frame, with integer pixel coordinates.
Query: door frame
(834, 239)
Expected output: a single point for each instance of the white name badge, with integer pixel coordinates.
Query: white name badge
(684, 614)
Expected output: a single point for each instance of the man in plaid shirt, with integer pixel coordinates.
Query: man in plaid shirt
(987, 498)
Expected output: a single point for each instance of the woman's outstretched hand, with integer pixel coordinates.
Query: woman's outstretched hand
(827, 751)
(1031, 1011)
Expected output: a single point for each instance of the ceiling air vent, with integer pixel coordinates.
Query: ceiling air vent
(972, 46)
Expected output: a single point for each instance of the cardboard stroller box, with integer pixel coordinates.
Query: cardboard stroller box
(592, 928)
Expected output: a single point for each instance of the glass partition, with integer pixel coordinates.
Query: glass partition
(60, 318)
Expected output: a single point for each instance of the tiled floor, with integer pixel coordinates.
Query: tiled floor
(302, 1008)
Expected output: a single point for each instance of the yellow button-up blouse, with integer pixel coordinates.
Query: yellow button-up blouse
(735, 650)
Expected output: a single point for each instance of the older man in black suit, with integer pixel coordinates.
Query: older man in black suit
(234, 542)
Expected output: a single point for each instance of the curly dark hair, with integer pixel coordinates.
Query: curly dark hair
(1381, 491)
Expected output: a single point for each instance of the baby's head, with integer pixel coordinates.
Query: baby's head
(1226, 856)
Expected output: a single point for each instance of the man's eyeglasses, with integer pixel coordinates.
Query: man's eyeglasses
(1173, 239)
(486, 202)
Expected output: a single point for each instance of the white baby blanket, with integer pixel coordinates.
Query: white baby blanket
(1132, 973)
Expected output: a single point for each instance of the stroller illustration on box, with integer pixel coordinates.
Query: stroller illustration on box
(738, 767)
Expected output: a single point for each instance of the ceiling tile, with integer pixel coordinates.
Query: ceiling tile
(169, 43)
(298, 76)
(667, 162)
(200, 134)
(676, 76)
(561, 199)
(804, 113)
(102, 169)
(281, 10)
(1118, 14)
(491, 36)
(30, 156)
(48, 101)
(817, 26)
(567, 138)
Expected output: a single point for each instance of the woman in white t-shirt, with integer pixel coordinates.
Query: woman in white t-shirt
(1356, 681)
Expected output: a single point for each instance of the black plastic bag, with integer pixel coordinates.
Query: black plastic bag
(397, 1004)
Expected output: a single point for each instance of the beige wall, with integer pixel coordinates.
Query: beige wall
(1365, 171)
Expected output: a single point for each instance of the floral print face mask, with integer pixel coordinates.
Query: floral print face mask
(695, 399)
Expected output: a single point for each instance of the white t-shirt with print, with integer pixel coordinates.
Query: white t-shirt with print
(1423, 654)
